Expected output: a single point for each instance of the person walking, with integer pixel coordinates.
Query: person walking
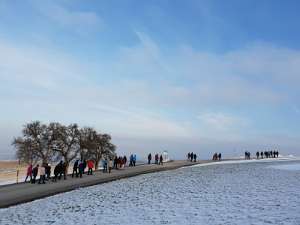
(156, 158)
(57, 172)
(134, 159)
(195, 157)
(29, 173)
(116, 162)
(105, 162)
(34, 173)
(75, 168)
(64, 170)
(90, 167)
(149, 158)
(110, 165)
(81, 168)
(47, 171)
(125, 160)
(42, 173)
(161, 160)
(84, 165)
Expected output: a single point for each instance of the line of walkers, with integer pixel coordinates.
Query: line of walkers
(192, 157)
(44, 171)
(79, 168)
(158, 159)
(117, 163)
(267, 154)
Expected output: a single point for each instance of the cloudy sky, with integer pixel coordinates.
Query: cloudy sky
(203, 76)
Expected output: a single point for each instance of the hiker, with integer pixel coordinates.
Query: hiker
(90, 167)
(156, 158)
(161, 160)
(125, 160)
(116, 162)
(75, 168)
(42, 174)
(192, 156)
(110, 165)
(59, 169)
(64, 170)
(188, 156)
(29, 173)
(130, 160)
(120, 162)
(105, 165)
(149, 158)
(84, 165)
(34, 173)
(47, 171)
(81, 168)
(134, 159)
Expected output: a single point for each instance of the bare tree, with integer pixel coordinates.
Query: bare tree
(35, 144)
(103, 148)
(66, 141)
(43, 142)
(25, 152)
(88, 142)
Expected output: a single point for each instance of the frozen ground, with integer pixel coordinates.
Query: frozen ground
(228, 193)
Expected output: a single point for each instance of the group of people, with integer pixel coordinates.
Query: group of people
(217, 156)
(158, 159)
(78, 168)
(247, 155)
(267, 154)
(132, 160)
(44, 171)
(192, 157)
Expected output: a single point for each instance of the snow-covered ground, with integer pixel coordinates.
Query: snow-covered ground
(224, 193)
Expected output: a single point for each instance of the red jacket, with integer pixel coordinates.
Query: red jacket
(90, 164)
(29, 170)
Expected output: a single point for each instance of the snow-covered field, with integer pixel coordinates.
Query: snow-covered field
(224, 193)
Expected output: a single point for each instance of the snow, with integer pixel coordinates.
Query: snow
(223, 193)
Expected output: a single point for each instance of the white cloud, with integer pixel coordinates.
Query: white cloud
(142, 91)
(221, 121)
(63, 16)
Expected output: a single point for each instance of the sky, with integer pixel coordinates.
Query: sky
(196, 75)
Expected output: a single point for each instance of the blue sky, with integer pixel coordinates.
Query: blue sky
(199, 76)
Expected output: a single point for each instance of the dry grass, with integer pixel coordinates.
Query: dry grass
(8, 170)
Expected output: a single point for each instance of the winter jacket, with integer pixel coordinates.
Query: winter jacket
(90, 164)
(29, 170)
(35, 171)
(42, 171)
